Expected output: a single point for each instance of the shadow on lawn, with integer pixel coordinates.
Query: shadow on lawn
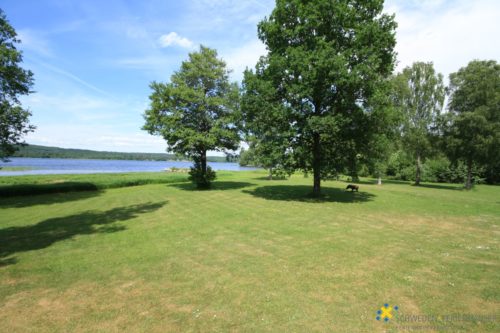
(217, 186)
(303, 193)
(272, 180)
(47, 199)
(374, 182)
(453, 187)
(23, 195)
(50, 231)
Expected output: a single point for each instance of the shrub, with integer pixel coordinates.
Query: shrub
(202, 180)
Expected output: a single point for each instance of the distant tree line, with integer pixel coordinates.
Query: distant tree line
(36, 151)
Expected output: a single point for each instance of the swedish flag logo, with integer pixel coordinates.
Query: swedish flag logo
(386, 312)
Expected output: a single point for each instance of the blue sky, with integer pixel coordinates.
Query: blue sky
(93, 60)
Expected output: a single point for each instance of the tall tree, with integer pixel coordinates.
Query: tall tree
(14, 82)
(472, 127)
(419, 93)
(326, 58)
(196, 112)
(264, 124)
(385, 121)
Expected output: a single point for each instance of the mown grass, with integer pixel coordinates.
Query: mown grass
(251, 255)
(16, 168)
(44, 184)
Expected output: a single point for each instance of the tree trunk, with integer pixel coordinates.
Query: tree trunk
(316, 165)
(270, 173)
(204, 163)
(379, 180)
(468, 182)
(419, 170)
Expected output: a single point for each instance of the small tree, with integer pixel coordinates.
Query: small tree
(196, 112)
(14, 81)
(472, 127)
(418, 93)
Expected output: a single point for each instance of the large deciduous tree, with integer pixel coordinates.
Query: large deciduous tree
(14, 82)
(196, 112)
(418, 93)
(325, 60)
(264, 123)
(472, 127)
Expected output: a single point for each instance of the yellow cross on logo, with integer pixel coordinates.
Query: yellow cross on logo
(386, 312)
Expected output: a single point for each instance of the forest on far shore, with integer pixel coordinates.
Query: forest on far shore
(36, 151)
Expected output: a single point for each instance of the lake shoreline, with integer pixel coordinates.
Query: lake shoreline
(18, 166)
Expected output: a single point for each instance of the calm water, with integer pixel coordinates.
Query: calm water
(44, 166)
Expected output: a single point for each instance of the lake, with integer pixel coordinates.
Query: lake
(45, 166)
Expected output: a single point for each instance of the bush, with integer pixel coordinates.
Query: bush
(202, 180)
(364, 171)
(492, 172)
(399, 166)
(437, 170)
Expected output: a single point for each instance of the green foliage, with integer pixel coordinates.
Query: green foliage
(310, 95)
(400, 166)
(492, 171)
(438, 169)
(418, 93)
(265, 126)
(202, 178)
(468, 138)
(197, 111)
(471, 129)
(476, 88)
(14, 82)
(247, 158)
(386, 138)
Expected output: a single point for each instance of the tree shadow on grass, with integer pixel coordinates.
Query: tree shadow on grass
(374, 181)
(279, 179)
(216, 186)
(303, 193)
(45, 233)
(24, 195)
(453, 187)
(47, 199)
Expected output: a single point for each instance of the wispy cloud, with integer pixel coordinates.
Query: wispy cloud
(173, 39)
(155, 66)
(450, 35)
(85, 137)
(75, 107)
(247, 55)
(71, 76)
(35, 42)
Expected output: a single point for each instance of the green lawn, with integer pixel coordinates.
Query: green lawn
(251, 255)
(16, 168)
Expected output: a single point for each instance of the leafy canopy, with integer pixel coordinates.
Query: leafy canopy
(14, 82)
(418, 94)
(326, 59)
(197, 111)
(472, 127)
